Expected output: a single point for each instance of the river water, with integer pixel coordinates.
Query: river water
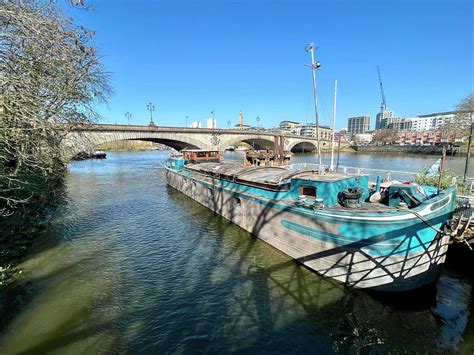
(133, 266)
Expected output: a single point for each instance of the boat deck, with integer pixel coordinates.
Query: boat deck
(264, 174)
(362, 207)
(272, 175)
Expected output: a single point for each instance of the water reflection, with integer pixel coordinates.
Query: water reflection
(135, 266)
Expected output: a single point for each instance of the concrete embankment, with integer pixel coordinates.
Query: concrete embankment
(397, 149)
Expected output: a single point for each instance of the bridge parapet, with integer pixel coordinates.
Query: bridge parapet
(138, 128)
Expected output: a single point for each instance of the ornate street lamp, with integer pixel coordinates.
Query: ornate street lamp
(128, 115)
(187, 121)
(258, 121)
(150, 107)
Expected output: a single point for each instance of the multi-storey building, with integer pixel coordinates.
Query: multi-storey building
(359, 124)
(383, 119)
(309, 130)
(401, 124)
(433, 121)
(290, 126)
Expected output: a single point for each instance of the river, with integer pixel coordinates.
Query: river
(133, 266)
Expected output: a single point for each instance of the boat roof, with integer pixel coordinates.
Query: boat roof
(265, 175)
(198, 150)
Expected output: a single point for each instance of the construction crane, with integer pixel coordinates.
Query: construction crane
(383, 105)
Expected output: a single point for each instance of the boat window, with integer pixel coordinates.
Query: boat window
(201, 154)
(308, 191)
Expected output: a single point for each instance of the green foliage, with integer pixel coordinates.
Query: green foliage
(448, 179)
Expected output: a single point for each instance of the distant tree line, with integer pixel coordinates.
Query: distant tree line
(51, 79)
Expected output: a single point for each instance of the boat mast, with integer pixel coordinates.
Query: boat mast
(315, 65)
(333, 126)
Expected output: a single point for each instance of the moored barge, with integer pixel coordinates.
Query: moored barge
(325, 221)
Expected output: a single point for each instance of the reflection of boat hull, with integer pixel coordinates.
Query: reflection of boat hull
(382, 251)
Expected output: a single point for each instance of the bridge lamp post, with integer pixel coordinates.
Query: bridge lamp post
(128, 115)
(258, 121)
(228, 123)
(150, 107)
(187, 121)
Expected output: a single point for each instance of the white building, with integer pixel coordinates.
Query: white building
(432, 122)
(196, 124)
(309, 130)
(290, 126)
(362, 138)
(211, 123)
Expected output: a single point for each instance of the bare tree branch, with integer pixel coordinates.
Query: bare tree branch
(50, 80)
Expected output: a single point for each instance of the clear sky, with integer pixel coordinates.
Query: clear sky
(190, 57)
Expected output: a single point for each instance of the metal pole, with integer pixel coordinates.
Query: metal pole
(316, 109)
(150, 107)
(468, 153)
(333, 126)
(313, 72)
(338, 149)
(441, 168)
(128, 115)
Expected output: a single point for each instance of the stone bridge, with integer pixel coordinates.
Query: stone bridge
(87, 137)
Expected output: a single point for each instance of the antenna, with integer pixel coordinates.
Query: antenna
(314, 66)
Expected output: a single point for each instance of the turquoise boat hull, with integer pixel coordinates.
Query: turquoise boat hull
(394, 251)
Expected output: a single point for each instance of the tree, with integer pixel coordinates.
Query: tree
(51, 80)
(460, 125)
(385, 136)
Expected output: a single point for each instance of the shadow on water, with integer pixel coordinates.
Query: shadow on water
(149, 270)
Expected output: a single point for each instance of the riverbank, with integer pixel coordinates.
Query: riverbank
(131, 146)
(18, 234)
(409, 149)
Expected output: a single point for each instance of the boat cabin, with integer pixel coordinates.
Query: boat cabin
(196, 156)
(266, 158)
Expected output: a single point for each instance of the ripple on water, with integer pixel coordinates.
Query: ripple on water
(138, 267)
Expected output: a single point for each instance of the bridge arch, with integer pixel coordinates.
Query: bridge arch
(257, 141)
(303, 145)
(76, 142)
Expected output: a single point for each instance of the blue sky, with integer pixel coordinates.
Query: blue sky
(190, 57)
